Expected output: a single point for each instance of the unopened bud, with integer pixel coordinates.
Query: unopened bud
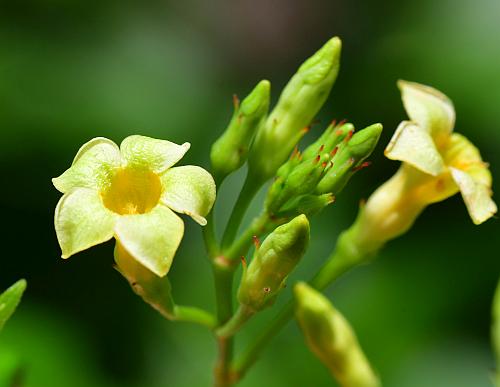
(331, 339)
(272, 263)
(230, 151)
(299, 102)
(349, 159)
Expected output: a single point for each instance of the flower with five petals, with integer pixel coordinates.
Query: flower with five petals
(130, 193)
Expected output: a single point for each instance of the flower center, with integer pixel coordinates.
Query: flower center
(132, 191)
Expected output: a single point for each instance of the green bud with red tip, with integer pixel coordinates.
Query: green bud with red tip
(230, 151)
(273, 261)
(330, 337)
(299, 103)
(349, 159)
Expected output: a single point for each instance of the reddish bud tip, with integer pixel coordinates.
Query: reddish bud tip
(236, 101)
(305, 130)
(349, 135)
(256, 241)
(316, 159)
(243, 262)
(334, 151)
(321, 148)
(342, 122)
(324, 164)
(362, 165)
(333, 123)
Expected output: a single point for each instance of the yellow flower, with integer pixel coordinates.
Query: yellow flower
(437, 164)
(129, 193)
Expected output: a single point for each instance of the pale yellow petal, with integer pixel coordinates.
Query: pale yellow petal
(93, 166)
(415, 146)
(150, 153)
(151, 238)
(428, 107)
(81, 221)
(477, 196)
(189, 190)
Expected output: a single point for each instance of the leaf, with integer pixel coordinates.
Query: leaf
(9, 301)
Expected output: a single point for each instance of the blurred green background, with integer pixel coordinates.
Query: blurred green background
(72, 70)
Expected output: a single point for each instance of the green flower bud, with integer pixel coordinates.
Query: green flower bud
(331, 137)
(230, 151)
(308, 205)
(154, 290)
(299, 102)
(331, 339)
(349, 159)
(301, 180)
(9, 301)
(272, 263)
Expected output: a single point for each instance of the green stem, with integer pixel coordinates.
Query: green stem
(337, 264)
(209, 237)
(194, 315)
(223, 276)
(250, 188)
(242, 315)
(258, 226)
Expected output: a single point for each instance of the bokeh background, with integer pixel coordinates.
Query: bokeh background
(70, 71)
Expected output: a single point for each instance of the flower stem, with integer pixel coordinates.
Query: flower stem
(242, 315)
(209, 237)
(223, 277)
(336, 265)
(250, 188)
(258, 226)
(194, 315)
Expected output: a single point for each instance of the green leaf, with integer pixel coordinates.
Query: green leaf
(93, 166)
(9, 301)
(413, 145)
(151, 238)
(150, 153)
(82, 221)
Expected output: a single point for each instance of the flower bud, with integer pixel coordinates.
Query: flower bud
(349, 159)
(299, 102)
(331, 338)
(301, 180)
(154, 290)
(272, 263)
(230, 151)
(331, 137)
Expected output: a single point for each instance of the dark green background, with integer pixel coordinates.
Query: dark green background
(70, 71)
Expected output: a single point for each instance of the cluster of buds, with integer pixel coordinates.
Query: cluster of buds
(310, 180)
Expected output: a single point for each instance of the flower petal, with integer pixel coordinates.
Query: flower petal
(92, 167)
(82, 221)
(428, 107)
(476, 195)
(415, 146)
(147, 152)
(151, 238)
(190, 190)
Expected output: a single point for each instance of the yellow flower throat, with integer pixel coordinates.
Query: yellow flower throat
(132, 191)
